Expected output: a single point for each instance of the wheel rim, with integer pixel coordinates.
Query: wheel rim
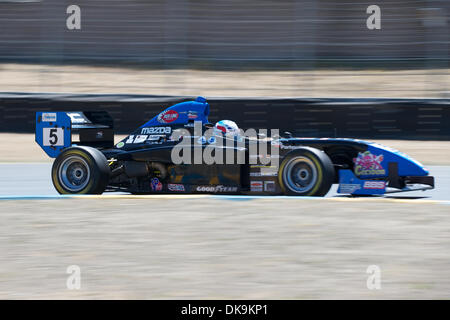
(300, 174)
(74, 173)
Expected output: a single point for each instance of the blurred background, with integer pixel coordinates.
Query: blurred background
(253, 48)
(290, 64)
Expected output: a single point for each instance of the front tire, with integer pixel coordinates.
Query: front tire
(306, 172)
(80, 170)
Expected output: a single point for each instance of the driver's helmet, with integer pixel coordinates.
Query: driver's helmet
(227, 128)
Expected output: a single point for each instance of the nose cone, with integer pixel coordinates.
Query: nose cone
(423, 170)
(407, 166)
(413, 168)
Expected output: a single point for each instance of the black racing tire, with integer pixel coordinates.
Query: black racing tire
(80, 170)
(306, 172)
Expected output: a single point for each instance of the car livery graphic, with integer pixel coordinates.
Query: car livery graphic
(368, 164)
(142, 163)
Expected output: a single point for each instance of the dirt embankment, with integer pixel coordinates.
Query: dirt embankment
(432, 83)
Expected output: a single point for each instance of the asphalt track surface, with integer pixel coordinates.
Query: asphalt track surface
(34, 180)
(220, 247)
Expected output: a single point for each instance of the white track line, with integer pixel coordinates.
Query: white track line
(220, 197)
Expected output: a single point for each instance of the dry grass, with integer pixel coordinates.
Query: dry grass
(311, 83)
(222, 249)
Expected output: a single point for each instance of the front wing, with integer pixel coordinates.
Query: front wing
(350, 184)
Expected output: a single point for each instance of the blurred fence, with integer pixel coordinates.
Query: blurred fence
(231, 35)
(351, 118)
(234, 32)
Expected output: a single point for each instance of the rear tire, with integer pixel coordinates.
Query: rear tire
(80, 170)
(306, 172)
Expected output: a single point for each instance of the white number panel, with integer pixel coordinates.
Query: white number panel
(53, 136)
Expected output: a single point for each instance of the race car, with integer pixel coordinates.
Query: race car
(167, 154)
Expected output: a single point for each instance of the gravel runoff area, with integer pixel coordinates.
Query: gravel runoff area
(23, 148)
(223, 249)
(431, 83)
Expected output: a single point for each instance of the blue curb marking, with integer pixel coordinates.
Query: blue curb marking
(215, 197)
(35, 197)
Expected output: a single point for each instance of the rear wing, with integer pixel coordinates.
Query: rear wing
(54, 130)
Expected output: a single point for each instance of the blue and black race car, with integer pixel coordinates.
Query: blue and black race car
(167, 155)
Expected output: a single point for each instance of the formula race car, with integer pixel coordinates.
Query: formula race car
(179, 151)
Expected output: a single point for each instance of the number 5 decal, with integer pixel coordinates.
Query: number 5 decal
(53, 132)
(53, 136)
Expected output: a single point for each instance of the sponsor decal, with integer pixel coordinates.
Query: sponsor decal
(156, 130)
(264, 156)
(374, 184)
(261, 166)
(212, 140)
(201, 140)
(78, 118)
(130, 139)
(168, 116)
(256, 186)
(154, 138)
(120, 145)
(349, 187)
(255, 174)
(140, 138)
(175, 187)
(192, 115)
(155, 184)
(49, 117)
(368, 164)
(219, 188)
(269, 186)
(264, 171)
(268, 173)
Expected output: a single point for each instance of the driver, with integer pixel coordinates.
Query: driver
(227, 128)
